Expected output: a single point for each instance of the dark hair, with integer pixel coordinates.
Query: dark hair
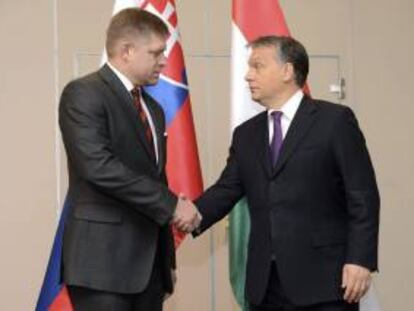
(288, 50)
(132, 22)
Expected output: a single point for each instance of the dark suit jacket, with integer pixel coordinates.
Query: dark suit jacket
(316, 210)
(121, 204)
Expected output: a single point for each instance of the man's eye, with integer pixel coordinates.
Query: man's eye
(157, 54)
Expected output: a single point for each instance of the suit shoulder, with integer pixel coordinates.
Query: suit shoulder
(83, 93)
(251, 123)
(329, 108)
(88, 82)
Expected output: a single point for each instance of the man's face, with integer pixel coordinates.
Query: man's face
(267, 75)
(145, 59)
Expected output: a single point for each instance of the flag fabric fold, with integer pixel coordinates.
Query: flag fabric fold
(53, 294)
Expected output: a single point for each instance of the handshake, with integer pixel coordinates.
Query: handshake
(186, 216)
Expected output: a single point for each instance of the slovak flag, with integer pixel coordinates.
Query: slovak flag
(183, 166)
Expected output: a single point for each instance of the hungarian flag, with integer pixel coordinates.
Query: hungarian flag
(252, 19)
(183, 166)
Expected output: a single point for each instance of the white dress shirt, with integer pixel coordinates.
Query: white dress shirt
(130, 86)
(288, 110)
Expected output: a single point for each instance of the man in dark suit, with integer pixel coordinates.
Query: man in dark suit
(118, 251)
(313, 200)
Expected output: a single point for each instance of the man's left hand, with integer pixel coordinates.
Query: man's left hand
(356, 281)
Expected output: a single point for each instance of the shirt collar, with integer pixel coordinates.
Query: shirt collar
(125, 81)
(291, 106)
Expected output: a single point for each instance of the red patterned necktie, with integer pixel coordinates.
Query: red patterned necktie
(136, 95)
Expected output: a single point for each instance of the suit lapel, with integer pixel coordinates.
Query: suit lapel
(126, 103)
(301, 123)
(158, 121)
(262, 146)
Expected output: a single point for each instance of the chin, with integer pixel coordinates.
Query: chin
(152, 81)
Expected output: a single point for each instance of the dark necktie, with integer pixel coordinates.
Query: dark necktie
(277, 139)
(136, 95)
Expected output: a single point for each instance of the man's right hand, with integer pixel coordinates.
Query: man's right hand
(186, 217)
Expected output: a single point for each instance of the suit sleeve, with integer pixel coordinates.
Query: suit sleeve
(220, 198)
(361, 192)
(82, 120)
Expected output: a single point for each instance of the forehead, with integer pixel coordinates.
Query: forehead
(152, 41)
(262, 53)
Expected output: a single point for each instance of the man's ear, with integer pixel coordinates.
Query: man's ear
(124, 49)
(289, 72)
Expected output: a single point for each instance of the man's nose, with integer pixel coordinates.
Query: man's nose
(163, 60)
(248, 76)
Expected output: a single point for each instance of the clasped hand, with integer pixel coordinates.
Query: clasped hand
(186, 217)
